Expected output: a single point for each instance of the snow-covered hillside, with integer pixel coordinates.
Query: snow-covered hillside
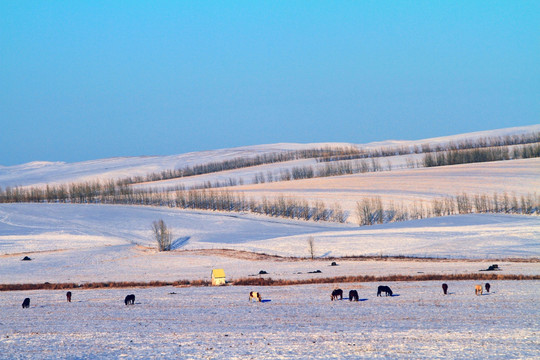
(407, 186)
(103, 242)
(80, 243)
(40, 173)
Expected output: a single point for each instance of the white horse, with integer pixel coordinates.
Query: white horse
(256, 296)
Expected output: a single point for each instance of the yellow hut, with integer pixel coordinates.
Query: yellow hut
(218, 277)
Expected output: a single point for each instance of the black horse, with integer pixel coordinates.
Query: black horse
(130, 300)
(384, 289)
(68, 296)
(336, 293)
(445, 288)
(353, 295)
(26, 303)
(487, 286)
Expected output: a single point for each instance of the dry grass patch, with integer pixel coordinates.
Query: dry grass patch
(261, 281)
(370, 278)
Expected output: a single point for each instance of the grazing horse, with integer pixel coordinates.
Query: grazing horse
(130, 300)
(445, 288)
(487, 286)
(353, 295)
(68, 296)
(26, 303)
(384, 289)
(256, 296)
(335, 294)
(478, 290)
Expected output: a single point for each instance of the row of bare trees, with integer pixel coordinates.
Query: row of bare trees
(370, 211)
(242, 162)
(329, 169)
(454, 157)
(215, 200)
(483, 142)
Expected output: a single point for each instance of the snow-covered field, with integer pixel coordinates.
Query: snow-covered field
(100, 243)
(407, 186)
(299, 322)
(88, 243)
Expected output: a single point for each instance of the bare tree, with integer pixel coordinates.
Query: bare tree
(370, 211)
(162, 234)
(311, 246)
(363, 212)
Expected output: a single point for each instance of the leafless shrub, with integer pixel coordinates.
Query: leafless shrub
(311, 247)
(162, 235)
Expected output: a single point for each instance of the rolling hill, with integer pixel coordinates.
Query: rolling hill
(85, 242)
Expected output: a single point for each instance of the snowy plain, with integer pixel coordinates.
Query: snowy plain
(293, 322)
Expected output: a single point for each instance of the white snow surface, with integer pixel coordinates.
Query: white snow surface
(293, 322)
(88, 243)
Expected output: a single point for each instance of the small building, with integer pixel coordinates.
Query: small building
(218, 277)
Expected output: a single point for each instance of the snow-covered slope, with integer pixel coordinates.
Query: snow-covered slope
(407, 186)
(444, 140)
(40, 173)
(106, 242)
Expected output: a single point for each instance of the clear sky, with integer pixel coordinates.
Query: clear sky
(82, 80)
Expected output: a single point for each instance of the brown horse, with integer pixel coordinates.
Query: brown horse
(256, 296)
(478, 290)
(487, 286)
(68, 296)
(353, 295)
(445, 288)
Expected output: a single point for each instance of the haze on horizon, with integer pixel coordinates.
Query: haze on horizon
(82, 81)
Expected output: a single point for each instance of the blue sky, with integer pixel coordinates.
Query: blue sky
(87, 80)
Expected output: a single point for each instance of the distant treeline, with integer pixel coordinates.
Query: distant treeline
(484, 142)
(329, 169)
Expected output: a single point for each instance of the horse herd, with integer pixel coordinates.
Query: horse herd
(337, 294)
(353, 294)
(129, 300)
